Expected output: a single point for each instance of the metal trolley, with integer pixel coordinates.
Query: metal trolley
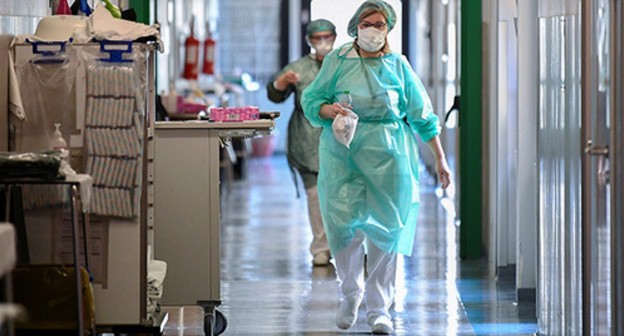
(187, 210)
(121, 305)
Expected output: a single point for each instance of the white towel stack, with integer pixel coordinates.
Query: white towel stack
(114, 138)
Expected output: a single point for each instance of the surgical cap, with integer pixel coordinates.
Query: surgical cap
(376, 6)
(320, 25)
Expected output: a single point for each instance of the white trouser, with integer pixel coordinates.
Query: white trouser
(379, 287)
(319, 239)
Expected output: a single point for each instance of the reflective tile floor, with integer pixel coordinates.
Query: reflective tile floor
(269, 286)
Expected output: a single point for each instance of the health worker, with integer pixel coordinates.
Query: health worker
(369, 191)
(303, 139)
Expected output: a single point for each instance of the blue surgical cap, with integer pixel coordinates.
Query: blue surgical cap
(368, 7)
(320, 25)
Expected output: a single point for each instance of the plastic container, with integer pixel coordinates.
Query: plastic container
(234, 113)
(60, 27)
(344, 98)
(56, 141)
(263, 146)
(189, 107)
(63, 8)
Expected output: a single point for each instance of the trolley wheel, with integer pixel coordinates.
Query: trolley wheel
(215, 324)
(220, 323)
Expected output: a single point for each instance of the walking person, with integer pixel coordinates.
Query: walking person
(369, 191)
(303, 139)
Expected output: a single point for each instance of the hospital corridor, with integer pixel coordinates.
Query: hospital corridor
(269, 286)
(311, 167)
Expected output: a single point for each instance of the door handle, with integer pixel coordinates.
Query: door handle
(596, 150)
(455, 107)
(602, 152)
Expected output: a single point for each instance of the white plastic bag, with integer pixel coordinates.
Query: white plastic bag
(344, 127)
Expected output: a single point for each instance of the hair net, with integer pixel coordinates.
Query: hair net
(372, 5)
(319, 26)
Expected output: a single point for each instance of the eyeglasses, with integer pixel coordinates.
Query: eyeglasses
(325, 37)
(379, 25)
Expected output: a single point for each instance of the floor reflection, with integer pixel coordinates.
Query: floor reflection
(269, 286)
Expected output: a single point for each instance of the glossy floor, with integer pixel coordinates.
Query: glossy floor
(269, 286)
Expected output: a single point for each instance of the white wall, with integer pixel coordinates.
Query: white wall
(527, 216)
(21, 16)
(502, 131)
(490, 45)
(511, 46)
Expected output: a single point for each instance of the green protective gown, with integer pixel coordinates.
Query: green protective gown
(373, 185)
(302, 138)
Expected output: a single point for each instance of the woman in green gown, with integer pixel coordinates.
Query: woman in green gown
(369, 192)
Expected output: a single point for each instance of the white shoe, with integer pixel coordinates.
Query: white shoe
(321, 259)
(381, 325)
(348, 312)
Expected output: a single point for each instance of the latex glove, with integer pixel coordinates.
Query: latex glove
(330, 111)
(285, 79)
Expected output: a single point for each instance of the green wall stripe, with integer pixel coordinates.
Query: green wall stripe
(142, 9)
(471, 131)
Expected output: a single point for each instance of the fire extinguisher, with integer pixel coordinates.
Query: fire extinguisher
(209, 53)
(191, 57)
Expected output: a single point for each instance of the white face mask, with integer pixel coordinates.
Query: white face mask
(371, 39)
(323, 47)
